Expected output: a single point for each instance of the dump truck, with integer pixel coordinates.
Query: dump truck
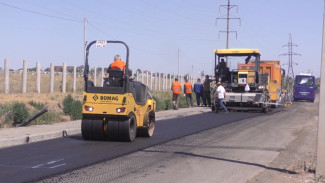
(275, 73)
(247, 88)
(120, 109)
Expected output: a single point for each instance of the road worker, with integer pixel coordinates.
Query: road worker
(198, 89)
(221, 94)
(176, 88)
(206, 91)
(222, 65)
(118, 64)
(188, 93)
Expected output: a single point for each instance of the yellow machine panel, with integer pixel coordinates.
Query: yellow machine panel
(236, 51)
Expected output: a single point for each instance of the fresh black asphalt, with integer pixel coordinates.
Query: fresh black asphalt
(39, 160)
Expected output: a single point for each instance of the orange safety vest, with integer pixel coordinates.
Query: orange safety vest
(188, 88)
(176, 87)
(118, 64)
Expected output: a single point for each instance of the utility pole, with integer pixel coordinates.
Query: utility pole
(320, 161)
(290, 74)
(178, 62)
(85, 42)
(228, 7)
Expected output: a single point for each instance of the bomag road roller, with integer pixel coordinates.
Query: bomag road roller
(120, 109)
(246, 87)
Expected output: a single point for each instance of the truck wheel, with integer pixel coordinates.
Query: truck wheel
(147, 131)
(128, 129)
(86, 129)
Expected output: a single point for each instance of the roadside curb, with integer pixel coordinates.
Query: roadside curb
(37, 137)
(67, 131)
(183, 114)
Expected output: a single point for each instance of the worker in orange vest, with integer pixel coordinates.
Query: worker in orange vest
(118, 64)
(176, 88)
(188, 93)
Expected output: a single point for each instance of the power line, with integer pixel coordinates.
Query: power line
(99, 30)
(38, 13)
(177, 14)
(140, 50)
(152, 31)
(153, 17)
(119, 21)
(63, 13)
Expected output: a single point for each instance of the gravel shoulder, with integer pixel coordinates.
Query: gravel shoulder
(299, 156)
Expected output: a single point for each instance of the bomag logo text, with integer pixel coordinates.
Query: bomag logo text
(109, 98)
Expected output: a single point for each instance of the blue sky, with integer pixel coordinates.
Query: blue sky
(52, 31)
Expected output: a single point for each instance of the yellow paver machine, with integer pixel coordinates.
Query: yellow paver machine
(247, 88)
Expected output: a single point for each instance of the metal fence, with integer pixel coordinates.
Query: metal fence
(37, 81)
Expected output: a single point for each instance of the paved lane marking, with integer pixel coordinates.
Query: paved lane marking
(37, 166)
(58, 165)
(50, 163)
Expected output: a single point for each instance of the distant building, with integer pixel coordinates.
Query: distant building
(58, 68)
(70, 69)
(80, 68)
(19, 71)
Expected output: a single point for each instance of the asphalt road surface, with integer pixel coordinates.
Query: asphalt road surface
(49, 159)
(229, 151)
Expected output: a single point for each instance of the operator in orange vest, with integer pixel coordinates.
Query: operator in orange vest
(176, 88)
(188, 93)
(118, 64)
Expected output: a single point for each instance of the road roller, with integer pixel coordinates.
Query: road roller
(121, 108)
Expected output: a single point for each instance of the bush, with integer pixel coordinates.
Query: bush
(168, 104)
(164, 101)
(76, 110)
(47, 118)
(19, 112)
(159, 105)
(67, 104)
(182, 101)
(72, 107)
(36, 105)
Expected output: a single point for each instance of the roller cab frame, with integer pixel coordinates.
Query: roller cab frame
(121, 109)
(235, 81)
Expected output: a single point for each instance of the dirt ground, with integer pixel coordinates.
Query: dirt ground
(299, 158)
